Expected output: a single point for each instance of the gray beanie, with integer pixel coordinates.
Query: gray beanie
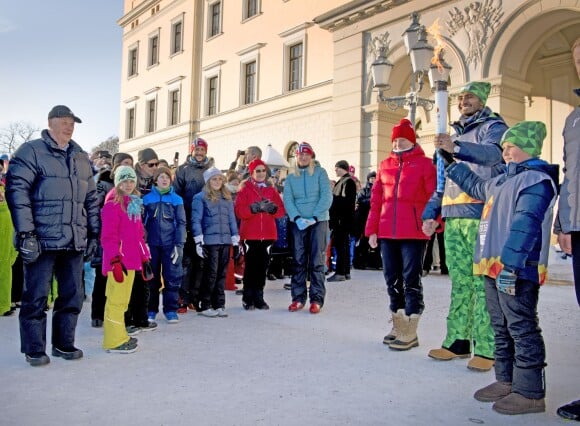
(211, 172)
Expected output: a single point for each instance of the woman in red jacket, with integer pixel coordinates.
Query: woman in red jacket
(405, 181)
(258, 204)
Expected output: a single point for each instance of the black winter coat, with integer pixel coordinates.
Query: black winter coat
(52, 193)
(189, 181)
(343, 203)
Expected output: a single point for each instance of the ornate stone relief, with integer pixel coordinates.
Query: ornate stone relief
(478, 22)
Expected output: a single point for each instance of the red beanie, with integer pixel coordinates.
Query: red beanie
(255, 163)
(404, 130)
(305, 147)
(198, 142)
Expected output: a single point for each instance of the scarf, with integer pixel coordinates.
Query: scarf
(134, 208)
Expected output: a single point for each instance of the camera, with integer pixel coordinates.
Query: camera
(240, 153)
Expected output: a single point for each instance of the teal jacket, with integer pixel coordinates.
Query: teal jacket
(308, 195)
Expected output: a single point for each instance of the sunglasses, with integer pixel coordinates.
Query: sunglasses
(260, 170)
(151, 165)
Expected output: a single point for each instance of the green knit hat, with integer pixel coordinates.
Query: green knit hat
(478, 88)
(526, 135)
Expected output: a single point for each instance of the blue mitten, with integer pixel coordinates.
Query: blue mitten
(302, 223)
(506, 282)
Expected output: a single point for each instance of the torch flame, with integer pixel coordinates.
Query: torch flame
(435, 32)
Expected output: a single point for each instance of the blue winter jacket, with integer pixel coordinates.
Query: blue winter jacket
(308, 195)
(51, 192)
(164, 218)
(215, 220)
(523, 236)
(477, 140)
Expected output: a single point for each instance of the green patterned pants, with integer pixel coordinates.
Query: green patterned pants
(468, 317)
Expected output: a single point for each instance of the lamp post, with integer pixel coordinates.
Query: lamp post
(423, 61)
(420, 52)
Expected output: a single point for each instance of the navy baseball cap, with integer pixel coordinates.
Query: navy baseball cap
(59, 111)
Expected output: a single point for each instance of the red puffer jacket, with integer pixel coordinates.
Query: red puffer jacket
(257, 226)
(405, 182)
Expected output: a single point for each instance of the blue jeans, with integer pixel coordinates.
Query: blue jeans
(67, 267)
(162, 264)
(309, 252)
(402, 267)
(520, 353)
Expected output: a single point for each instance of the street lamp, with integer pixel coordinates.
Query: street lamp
(423, 61)
(420, 52)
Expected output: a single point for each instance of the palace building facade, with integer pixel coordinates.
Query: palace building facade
(278, 72)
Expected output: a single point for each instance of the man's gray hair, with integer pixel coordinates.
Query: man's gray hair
(254, 150)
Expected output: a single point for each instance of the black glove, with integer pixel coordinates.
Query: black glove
(147, 271)
(255, 207)
(237, 252)
(447, 157)
(92, 249)
(28, 247)
(268, 207)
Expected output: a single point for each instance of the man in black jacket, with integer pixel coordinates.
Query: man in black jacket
(188, 182)
(342, 220)
(52, 199)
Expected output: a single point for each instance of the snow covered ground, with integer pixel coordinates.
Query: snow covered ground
(280, 368)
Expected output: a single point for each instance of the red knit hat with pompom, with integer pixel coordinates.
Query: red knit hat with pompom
(404, 130)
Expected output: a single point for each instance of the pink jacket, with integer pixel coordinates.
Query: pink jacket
(122, 236)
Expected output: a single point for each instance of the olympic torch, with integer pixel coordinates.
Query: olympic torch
(438, 76)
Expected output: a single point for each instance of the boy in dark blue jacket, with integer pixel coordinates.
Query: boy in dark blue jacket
(512, 254)
(165, 224)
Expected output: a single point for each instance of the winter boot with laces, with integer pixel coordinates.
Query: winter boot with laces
(407, 334)
(396, 319)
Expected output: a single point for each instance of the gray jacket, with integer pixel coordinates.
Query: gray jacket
(568, 218)
(477, 140)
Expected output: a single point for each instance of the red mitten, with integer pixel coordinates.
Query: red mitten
(118, 269)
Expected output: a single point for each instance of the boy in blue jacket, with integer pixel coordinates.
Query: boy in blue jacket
(512, 254)
(165, 226)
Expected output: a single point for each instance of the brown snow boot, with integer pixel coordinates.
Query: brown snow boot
(515, 403)
(493, 392)
(396, 318)
(407, 334)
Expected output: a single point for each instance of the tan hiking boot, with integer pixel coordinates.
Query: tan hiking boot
(407, 336)
(493, 392)
(442, 354)
(478, 363)
(515, 403)
(397, 317)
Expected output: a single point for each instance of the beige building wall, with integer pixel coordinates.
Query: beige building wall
(521, 47)
(178, 71)
(278, 116)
